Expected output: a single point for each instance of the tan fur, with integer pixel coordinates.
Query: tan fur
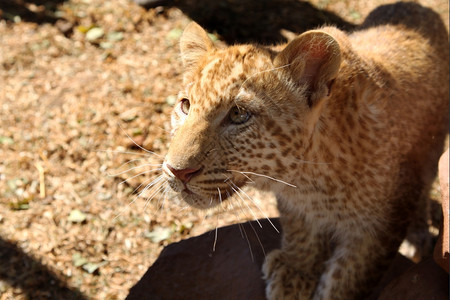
(353, 122)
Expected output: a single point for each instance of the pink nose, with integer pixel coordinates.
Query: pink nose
(183, 174)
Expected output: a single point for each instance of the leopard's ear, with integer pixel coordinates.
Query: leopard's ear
(312, 59)
(194, 44)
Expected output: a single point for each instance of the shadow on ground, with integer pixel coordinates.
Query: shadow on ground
(19, 270)
(38, 11)
(247, 21)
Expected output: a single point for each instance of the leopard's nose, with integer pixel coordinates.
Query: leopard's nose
(184, 174)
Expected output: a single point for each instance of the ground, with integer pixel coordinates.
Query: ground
(84, 84)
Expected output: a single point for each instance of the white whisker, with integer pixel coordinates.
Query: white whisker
(134, 168)
(244, 232)
(163, 129)
(248, 241)
(215, 239)
(164, 196)
(132, 161)
(244, 212)
(251, 211)
(182, 208)
(126, 207)
(155, 192)
(220, 196)
(142, 173)
(148, 186)
(265, 176)
(257, 237)
(210, 201)
(145, 182)
(124, 152)
(251, 181)
(240, 229)
(258, 207)
(139, 146)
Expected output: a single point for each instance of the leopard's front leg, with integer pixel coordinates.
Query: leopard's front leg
(293, 271)
(285, 281)
(310, 266)
(355, 267)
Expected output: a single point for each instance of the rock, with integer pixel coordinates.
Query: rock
(192, 269)
(423, 281)
(441, 251)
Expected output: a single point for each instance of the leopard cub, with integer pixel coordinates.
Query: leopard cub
(345, 129)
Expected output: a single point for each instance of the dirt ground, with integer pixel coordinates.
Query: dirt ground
(81, 79)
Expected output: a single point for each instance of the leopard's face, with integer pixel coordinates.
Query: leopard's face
(231, 126)
(246, 114)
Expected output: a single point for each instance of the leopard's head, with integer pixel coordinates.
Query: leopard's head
(245, 112)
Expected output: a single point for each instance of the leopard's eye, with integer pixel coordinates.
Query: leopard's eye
(239, 115)
(185, 105)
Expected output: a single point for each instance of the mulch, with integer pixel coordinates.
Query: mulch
(84, 86)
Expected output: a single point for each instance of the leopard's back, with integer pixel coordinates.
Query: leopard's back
(407, 45)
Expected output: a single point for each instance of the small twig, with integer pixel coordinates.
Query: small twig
(41, 179)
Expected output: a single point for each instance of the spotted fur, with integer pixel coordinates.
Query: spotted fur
(345, 129)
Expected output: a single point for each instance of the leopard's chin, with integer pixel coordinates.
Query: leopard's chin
(196, 200)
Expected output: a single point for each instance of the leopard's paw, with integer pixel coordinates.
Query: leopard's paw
(283, 281)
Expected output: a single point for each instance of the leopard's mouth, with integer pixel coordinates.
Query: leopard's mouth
(204, 192)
